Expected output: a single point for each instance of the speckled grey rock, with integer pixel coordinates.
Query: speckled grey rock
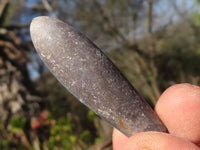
(88, 74)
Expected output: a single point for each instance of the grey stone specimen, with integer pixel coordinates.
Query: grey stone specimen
(89, 75)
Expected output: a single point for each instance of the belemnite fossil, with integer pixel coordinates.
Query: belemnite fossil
(84, 70)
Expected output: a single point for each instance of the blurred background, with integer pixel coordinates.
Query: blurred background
(155, 43)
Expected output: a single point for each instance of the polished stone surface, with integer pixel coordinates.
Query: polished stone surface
(89, 75)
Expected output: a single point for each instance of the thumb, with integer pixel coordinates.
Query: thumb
(157, 141)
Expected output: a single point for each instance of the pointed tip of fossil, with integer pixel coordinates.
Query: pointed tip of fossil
(37, 20)
(44, 25)
(42, 31)
(47, 33)
(50, 35)
(38, 23)
(40, 19)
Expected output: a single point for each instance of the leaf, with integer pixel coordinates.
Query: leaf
(198, 51)
(197, 18)
(91, 115)
(17, 122)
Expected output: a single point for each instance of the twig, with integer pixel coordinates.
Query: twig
(111, 29)
(3, 4)
(48, 7)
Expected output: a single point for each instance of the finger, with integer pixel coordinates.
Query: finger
(157, 141)
(118, 139)
(179, 109)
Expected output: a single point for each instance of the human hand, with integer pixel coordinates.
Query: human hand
(179, 109)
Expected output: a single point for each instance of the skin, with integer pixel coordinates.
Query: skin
(179, 109)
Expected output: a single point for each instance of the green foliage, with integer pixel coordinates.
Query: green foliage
(91, 115)
(5, 143)
(61, 134)
(197, 18)
(198, 51)
(17, 123)
(98, 139)
(86, 136)
(66, 130)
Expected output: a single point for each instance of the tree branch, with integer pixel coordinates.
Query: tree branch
(111, 29)
(48, 7)
(3, 4)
